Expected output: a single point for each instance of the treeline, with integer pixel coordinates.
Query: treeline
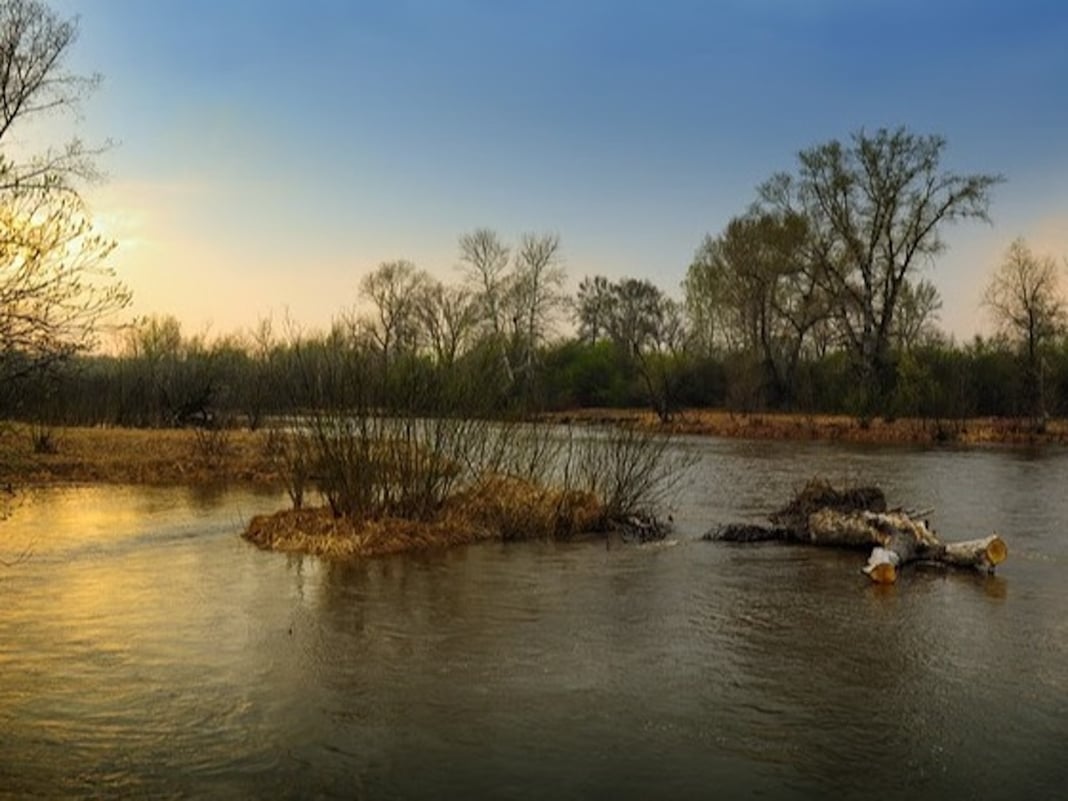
(812, 300)
(163, 377)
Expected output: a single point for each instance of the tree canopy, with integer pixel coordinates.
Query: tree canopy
(875, 209)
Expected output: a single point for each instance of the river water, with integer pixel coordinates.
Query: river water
(147, 651)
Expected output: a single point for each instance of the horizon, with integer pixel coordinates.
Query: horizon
(270, 158)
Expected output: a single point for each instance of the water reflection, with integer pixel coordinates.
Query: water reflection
(147, 651)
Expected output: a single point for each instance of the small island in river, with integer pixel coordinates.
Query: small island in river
(493, 505)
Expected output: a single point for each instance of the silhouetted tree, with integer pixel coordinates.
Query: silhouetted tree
(875, 208)
(763, 292)
(646, 326)
(55, 289)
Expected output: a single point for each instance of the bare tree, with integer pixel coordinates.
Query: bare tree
(517, 306)
(34, 43)
(1026, 302)
(55, 289)
(394, 289)
(916, 321)
(484, 261)
(875, 208)
(536, 295)
(448, 316)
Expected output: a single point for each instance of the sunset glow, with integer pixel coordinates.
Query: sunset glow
(269, 156)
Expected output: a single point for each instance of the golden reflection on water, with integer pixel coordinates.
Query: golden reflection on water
(118, 573)
(67, 518)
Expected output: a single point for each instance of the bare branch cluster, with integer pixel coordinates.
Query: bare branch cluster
(829, 257)
(55, 287)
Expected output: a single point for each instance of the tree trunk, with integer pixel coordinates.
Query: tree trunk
(885, 559)
(985, 554)
(858, 518)
(897, 539)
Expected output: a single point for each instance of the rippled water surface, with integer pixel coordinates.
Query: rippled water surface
(147, 651)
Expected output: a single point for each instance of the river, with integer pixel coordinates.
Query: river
(147, 651)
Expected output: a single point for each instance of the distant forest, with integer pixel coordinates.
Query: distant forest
(740, 339)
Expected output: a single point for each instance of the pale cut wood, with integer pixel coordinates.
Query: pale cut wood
(821, 515)
(984, 554)
(897, 539)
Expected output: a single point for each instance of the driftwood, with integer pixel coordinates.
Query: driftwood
(640, 528)
(858, 518)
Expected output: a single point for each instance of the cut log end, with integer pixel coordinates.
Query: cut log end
(820, 516)
(882, 573)
(996, 551)
(985, 554)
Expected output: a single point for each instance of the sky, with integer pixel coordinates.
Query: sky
(269, 154)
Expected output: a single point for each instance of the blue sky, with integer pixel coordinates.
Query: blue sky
(269, 154)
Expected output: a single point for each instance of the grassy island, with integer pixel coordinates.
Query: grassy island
(501, 510)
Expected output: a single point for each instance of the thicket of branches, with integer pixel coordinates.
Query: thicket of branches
(437, 357)
(56, 288)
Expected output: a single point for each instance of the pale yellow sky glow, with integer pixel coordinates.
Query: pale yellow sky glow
(242, 187)
(226, 282)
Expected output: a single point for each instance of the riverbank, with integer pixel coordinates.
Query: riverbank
(837, 428)
(496, 509)
(33, 455)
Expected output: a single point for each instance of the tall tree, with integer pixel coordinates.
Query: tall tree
(875, 208)
(484, 261)
(448, 316)
(537, 295)
(1026, 302)
(55, 287)
(705, 300)
(592, 308)
(764, 293)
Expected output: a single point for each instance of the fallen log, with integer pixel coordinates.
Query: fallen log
(983, 555)
(858, 519)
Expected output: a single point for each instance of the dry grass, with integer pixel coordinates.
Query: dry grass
(318, 532)
(499, 509)
(830, 427)
(138, 456)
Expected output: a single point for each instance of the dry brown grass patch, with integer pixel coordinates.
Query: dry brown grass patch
(497, 509)
(138, 456)
(786, 426)
(515, 509)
